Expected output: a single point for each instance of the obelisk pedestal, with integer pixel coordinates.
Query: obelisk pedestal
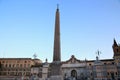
(56, 71)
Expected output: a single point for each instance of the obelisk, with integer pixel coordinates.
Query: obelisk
(56, 53)
(55, 66)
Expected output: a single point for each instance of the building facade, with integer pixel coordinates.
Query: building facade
(75, 69)
(16, 67)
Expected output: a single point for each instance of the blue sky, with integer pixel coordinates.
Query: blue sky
(27, 27)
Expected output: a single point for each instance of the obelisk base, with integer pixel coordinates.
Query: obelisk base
(56, 77)
(55, 68)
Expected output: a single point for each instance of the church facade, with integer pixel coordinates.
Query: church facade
(72, 69)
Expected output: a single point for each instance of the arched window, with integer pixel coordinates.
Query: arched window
(89, 64)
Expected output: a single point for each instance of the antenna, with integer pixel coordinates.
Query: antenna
(98, 53)
(46, 60)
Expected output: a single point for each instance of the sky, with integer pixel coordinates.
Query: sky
(27, 28)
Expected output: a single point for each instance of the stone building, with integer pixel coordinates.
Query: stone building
(16, 67)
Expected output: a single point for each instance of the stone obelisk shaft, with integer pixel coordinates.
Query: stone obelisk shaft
(57, 53)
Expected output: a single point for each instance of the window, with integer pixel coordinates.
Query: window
(108, 73)
(91, 74)
(116, 73)
(25, 61)
(9, 65)
(20, 65)
(117, 50)
(104, 63)
(113, 63)
(3, 61)
(6, 65)
(13, 65)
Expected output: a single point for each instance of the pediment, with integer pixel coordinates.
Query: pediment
(72, 60)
